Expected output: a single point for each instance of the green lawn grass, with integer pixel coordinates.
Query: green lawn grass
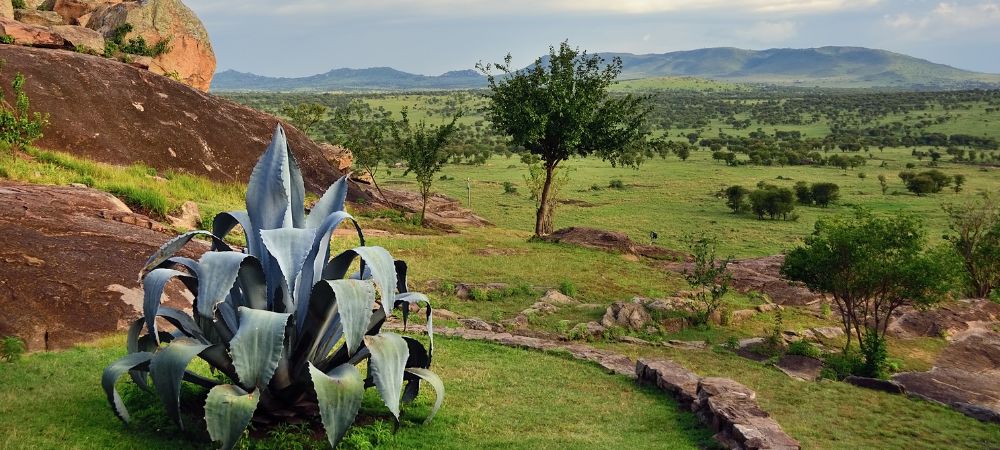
(496, 398)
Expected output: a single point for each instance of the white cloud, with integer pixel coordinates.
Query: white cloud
(947, 18)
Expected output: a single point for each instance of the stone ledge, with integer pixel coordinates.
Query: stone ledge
(727, 407)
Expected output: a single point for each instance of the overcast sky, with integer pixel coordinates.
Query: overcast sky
(305, 37)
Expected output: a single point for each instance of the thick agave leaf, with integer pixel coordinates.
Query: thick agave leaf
(252, 285)
(332, 201)
(218, 357)
(153, 286)
(289, 248)
(167, 369)
(269, 190)
(389, 355)
(257, 346)
(383, 269)
(134, 361)
(176, 244)
(298, 192)
(354, 301)
(217, 274)
(435, 381)
(225, 222)
(339, 394)
(228, 410)
(317, 258)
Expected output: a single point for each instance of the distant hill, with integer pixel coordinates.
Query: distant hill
(824, 66)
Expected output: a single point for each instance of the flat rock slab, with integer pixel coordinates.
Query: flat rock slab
(69, 264)
(762, 275)
(950, 320)
(800, 367)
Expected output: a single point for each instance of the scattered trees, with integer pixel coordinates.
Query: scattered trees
(561, 108)
(977, 240)
(422, 146)
(872, 265)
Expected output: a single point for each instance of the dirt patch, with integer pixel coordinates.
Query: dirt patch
(611, 241)
(443, 212)
(69, 265)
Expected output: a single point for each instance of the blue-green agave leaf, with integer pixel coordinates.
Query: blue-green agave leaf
(167, 368)
(228, 410)
(175, 245)
(355, 300)
(225, 222)
(217, 274)
(389, 354)
(298, 192)
(153, 285)
(383, 270)
(114, 371)
(317, 258)
(332, 201)
(339, 393)
(182, 321)
(269, 190)
(289, 248)
(438, 385)
(258, 345)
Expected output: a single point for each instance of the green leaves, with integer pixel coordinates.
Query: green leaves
(339, 393)
(258, 345)
(228, 411)
(389, 355)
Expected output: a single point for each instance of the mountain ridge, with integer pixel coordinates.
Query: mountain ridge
(828, 66)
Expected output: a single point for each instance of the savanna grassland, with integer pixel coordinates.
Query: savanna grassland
(499, 397)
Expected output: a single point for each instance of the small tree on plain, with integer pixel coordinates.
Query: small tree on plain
(825, 193)
(976, 228)
(365, 131)
(422, 147)
(872, 265)
(709, 277)
(560, 108)
(736, 198)
(305, 115)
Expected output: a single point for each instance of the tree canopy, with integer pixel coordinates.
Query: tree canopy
(560, 107)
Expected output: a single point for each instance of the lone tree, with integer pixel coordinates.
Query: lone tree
(365, 131)
(18, 126)
(977, 240)
(872, 265)
(423, 148)
(560, 108)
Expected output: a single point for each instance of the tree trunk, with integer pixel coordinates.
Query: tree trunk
(543, 218)
(423, 208)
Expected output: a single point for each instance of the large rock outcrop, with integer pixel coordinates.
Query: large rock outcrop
(190, 58)
(69, 264)
(115, 113)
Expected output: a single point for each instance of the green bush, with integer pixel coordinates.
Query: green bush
(772, 201)
(616, 184)
(18, 4)
(874, 355)
(117, 44)
(6, 39)
(803, 348)
(736, 198)
(837, 366)
(567, 288)
(509, 188)
(19, 127)
(11, 349)
(825, 193)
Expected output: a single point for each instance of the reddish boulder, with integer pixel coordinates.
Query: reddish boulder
(69, 264)
(33, 35)
(79, 37)
(36, 17)
(114, 113)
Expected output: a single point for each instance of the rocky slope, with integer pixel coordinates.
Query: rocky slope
(119, 114)
(69, 260)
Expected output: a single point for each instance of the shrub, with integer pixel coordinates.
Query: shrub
(18, 4)
(883, 183)
(6, 39)
(281, 301)
(509, 188)
(772, 201)
(862, 175)
(736, 198)
(803, 193)
(709, 277)
(616, 184)
(929, 182)
(596, 187)
(117, 44)
(11, 349)
(567, 287)
(803, 348)
(874, 356)
(837, 366)
(19, 127)
(825, 193)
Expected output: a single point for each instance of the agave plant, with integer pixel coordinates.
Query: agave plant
(282, 325)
